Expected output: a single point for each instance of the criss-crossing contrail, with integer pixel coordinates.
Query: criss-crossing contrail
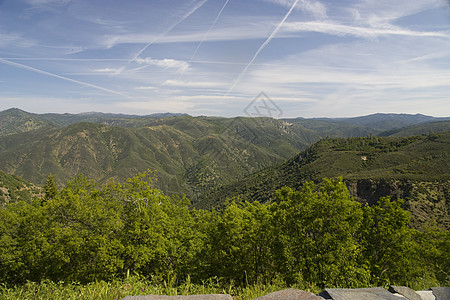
(209, 29)
(205, 35)
(87, 84)
(185, 16)
(267, 41)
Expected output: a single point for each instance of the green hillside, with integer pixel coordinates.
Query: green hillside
(15, 121)
(375, 124)
(427, 128)
(190, 155)
(13, 188)
(416, 168)
(208, 157)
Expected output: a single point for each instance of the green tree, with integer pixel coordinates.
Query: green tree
(50, 189)
(432, 246)
(83, 233)
(159, 233)
(317, 230)
(388, 243)
(241, 243)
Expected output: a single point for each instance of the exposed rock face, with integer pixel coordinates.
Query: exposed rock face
(425, 200)
(441, 293)
(191, 297)
(426, 295)
(290, 294)
(369, 190)
(406, 292)
(378, 293)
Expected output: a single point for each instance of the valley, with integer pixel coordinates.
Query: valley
(212, 159)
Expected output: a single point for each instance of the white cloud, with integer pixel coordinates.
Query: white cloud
(315, 8)
(46, 2)
(364, 32)
(109, 70)
(150, 88)
(193, 84)
(166, 63)
(14, 39)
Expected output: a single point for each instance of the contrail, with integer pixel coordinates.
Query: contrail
(274, 32)
(22, 66)
(205, 35)
(210, 27)
(185, 16)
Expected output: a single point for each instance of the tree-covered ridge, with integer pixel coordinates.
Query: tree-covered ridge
(13, 188)
(190, 154)
(319, 235)
(414, 168)
(15, 121)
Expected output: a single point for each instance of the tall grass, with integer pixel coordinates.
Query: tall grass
(132, 286)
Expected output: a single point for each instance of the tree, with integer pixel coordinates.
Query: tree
(388, 247)
(50, 189)
(318, 228)
(240, 243)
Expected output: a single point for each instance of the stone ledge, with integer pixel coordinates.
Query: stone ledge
(378, 293)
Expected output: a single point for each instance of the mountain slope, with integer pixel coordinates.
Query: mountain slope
(15, 120)
(363, 126)
(427, 128)
(13, 188)
(190, 154)
(416, 168)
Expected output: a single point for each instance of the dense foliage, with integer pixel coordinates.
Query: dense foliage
(319, 235)
(415, 169)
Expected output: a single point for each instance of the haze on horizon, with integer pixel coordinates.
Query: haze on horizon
(312, 58)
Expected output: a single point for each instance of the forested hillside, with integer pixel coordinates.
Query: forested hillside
(190, 155)
(258, 209)
(414, 168)
(206, 157)
(13, 189)
(317, 236)
(376, 124)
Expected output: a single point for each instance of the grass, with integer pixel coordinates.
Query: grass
(133, 286)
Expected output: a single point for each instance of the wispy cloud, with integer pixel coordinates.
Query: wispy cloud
(358, 31)
(166, 63)
(313, 7)
(112, 71)
(44, 2)
(14, 39)
(236, 29)
(192, 84)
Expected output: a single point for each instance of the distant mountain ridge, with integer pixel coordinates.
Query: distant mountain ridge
(15, 120)
(192, 155)
(373, 124)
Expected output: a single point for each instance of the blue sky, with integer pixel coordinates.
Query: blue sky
(313, 58)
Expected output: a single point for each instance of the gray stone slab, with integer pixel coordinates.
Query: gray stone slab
(191, 297)
(426, 295)
(290, 294)
(405, 291)
(399, 296)
(378, 293)
(441, 293)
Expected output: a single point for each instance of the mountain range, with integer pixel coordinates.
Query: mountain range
(190, 154)
(211, 159)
